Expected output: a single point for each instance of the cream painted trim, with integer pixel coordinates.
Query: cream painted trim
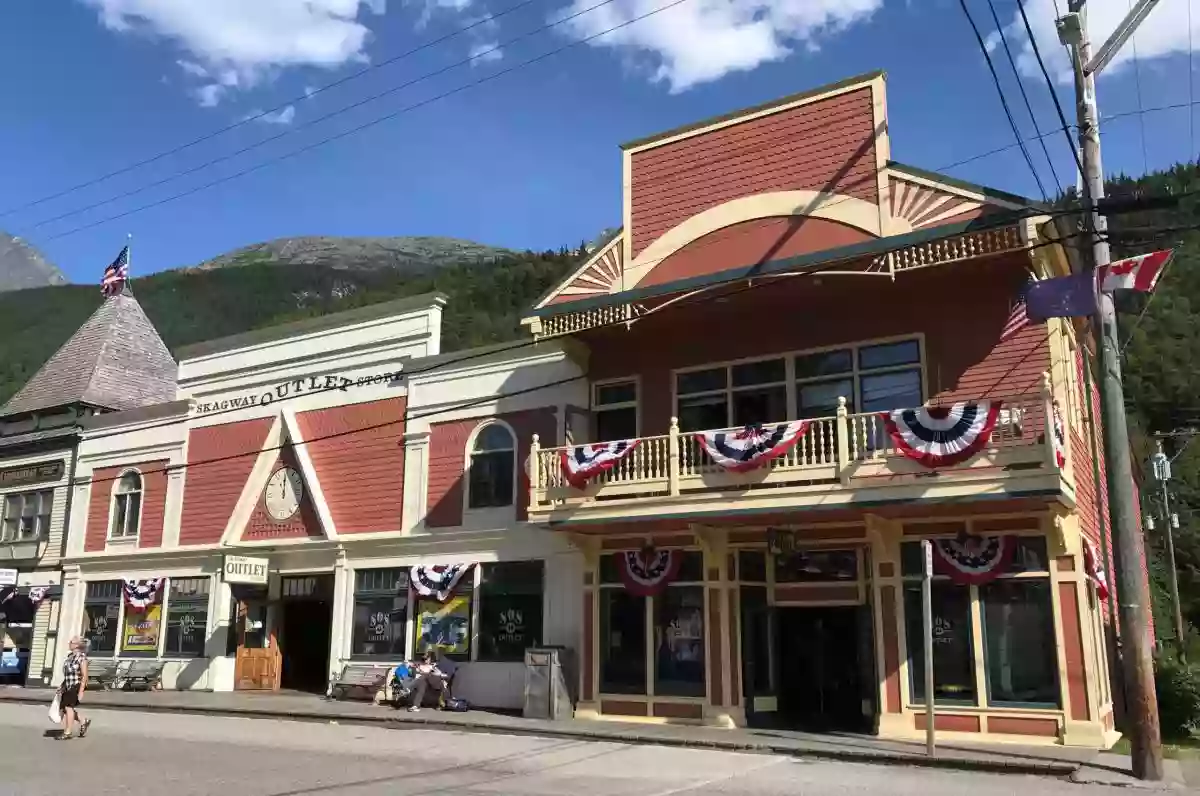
(956, 190)
(563, 284)
(883, 149)
(257, 479)
(315, 492)
(847, 210)
(741, 118)
(626, 214)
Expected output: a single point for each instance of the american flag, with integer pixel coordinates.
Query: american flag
(1018, 318)
(116, 274)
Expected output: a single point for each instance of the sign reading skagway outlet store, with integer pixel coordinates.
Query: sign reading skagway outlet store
(292, 388)
(32, 473)
(246, 570)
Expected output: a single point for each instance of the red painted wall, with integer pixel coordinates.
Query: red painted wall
(447, 461)
(304, 523)
(827, 145)
(960, 309)
(362, 470)
(750, 243)
(154, 500)
(212, 487)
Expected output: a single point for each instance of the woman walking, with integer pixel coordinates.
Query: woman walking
(75, 675)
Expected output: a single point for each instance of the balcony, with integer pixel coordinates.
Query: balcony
(842, 461)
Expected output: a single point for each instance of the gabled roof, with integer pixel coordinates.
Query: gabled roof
(116, 360)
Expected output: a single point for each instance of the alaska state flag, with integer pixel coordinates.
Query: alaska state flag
(1061, 297)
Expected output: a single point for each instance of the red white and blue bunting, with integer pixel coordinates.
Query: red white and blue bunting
(647, 571)
(141, 594)
(753, 446)
(940, 436)
(1059, 438)
(582, 463)
(1091, 567)
(437, 581)
(970, 559)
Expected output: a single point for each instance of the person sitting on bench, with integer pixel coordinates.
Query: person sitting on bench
(435, 671)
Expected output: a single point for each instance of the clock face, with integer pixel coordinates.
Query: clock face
(284, 490)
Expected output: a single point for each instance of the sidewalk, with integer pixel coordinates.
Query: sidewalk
(1079, 764)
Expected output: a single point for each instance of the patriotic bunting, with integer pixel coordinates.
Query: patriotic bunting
(753, 446)
(972, 560)
(647, 571)
(940, 436)
(439, 580)
(141, 594)
(38, 593)
(1091, 567)
(1060, 438)
(582, 463)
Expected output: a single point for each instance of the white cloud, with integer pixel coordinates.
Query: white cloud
(485, 52)
(703, 40)
(282, 116)
(1164, 32)
(233, 44)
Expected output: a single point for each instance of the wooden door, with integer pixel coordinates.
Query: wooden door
(256, 665)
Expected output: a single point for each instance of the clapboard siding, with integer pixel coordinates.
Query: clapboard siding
(212, 488)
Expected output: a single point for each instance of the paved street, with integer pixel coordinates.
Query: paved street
(185, 755)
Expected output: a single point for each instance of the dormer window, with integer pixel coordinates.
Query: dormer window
(127, 507)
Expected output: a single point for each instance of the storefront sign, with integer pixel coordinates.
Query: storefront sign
(250, 571)
(142, 629)
(444, 625)
(28, 474)
(8, 577)
(293, 388)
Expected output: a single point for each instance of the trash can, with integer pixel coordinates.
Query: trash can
(548, 679)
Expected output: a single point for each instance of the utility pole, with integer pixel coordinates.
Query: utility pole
(1137, 660)
(1162, 474)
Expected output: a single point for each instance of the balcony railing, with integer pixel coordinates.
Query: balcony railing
(838, 452)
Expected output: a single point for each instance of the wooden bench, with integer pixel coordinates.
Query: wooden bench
(103, 672)
(369, 677)
(142, 675)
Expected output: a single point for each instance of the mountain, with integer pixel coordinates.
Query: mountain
(409, 254)
(22, 266)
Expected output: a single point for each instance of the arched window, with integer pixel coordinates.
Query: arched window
(491, 470)
(127, 507)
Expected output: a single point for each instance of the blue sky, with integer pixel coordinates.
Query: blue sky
(529, 159)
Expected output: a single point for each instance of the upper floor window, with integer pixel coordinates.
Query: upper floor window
(491, 472)
(615, 409)
(127, 507)
(25, 516)
(872, 377)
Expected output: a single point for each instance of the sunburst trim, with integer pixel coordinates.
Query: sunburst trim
(925, 206)
(600, 275)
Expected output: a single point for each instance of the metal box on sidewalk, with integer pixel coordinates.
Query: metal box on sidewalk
(549, 673)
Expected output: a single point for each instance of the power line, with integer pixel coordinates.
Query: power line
(1003, 100)
(318, 120)
(309, 94)
(1012, 62)
(1137, 80)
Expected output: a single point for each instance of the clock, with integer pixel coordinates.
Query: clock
(284, 490)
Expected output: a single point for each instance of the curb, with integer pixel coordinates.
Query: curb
(1048, 768)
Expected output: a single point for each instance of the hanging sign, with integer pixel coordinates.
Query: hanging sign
(142, 630)
(246, 570)
(445, 625)
(647, 571)
(940, 436)
(970, 559)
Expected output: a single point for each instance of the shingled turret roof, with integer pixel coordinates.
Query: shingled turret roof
(115, 361)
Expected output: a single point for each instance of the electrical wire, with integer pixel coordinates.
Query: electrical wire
(1012, 62)
(1003, 100)
(488, 399)
(308, 94)
(1137, 79)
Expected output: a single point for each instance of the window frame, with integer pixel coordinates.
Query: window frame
(41, 530)
(114, 496)
(793, 383)
(635, 404)
(469, 453)
(978, 648)
(164, 652)
(119, 619)
(479, 598)
(357, 594)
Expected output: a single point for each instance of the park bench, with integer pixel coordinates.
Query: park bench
(142, 675)
(103, 672)
(369, 677)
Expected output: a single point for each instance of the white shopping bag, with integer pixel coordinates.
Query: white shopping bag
(55, 712)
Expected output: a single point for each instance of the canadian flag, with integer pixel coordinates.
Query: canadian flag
(1135, 273)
